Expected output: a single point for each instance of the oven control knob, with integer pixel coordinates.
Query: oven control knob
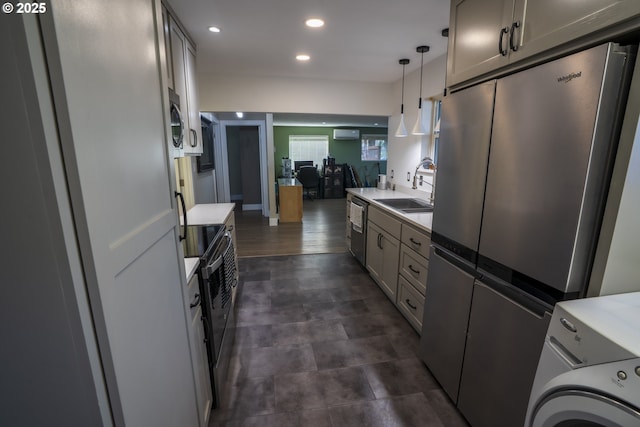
(622, 375)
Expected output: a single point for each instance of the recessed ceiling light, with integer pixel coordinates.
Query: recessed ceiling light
(314, 22)
(239, 114)
(303, 57)
(215, 29)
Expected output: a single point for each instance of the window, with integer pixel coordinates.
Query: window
(374, 148)
(309, 147)
(435, 135)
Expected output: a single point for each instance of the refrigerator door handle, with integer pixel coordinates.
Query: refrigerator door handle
(457, 262)
(527, 302)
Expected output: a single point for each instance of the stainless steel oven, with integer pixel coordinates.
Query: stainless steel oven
(218, 280)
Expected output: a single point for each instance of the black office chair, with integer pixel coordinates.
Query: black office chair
(309, 178)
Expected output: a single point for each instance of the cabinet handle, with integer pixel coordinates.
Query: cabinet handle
(408, 301)
(196, 301)
(194, 141)
(414, 242)
(413, 269)
(514, 27)
(379, 241)
(503, 31)
(184, 214)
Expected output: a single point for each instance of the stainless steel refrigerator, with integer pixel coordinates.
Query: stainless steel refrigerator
(523, 171)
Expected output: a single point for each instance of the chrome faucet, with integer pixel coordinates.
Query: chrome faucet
(426, 162)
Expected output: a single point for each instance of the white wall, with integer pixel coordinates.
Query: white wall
(291, 95)
(405, 153)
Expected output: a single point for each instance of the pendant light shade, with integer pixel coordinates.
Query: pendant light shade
(418, 128)
(402, 129)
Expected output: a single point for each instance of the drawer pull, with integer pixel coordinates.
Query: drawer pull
(408, 301)
(413, 269)
(414, 242)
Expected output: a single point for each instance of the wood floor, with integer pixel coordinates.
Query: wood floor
(322, 231)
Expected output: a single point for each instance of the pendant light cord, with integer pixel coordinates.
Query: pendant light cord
(420, 99)
(402, 102)
(422, 50)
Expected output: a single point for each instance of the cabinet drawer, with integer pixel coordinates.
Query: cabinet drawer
(417, 240)
(411, 303)
(385, 221)
(414, 268)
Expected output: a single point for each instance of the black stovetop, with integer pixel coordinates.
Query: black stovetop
(200, 238)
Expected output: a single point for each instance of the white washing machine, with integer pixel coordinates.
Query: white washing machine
(589, 369)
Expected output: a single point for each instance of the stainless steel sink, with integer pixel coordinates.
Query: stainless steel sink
(407, 205)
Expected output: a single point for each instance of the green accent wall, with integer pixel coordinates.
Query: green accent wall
(344, 151)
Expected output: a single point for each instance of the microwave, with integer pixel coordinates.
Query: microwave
(177, 123)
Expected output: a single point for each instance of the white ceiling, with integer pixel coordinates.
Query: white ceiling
(362, 40)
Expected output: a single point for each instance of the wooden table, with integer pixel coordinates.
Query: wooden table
(290, 190)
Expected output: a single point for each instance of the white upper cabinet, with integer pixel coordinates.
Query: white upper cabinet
(183, 65)
(488, 34)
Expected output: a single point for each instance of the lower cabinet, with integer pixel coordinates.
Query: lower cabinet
(383, 253)
(198, 349)
(398, 260)
(413, 270)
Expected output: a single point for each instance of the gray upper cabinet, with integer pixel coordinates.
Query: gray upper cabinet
(486, 35)
(476, 28)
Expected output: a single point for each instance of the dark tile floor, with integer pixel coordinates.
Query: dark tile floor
(319, 344)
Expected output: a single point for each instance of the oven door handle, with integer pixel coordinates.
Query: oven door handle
(216, 263)
(213, 266)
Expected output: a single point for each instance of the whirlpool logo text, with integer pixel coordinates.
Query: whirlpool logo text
(569, 77)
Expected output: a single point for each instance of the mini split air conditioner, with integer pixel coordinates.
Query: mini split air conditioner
(346, 134)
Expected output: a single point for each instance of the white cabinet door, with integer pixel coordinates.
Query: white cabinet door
(199, 359)
(383, 252)
(112, 125)
(193, 136)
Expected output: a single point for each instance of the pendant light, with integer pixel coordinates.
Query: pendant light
(418, 128)
(402, 129)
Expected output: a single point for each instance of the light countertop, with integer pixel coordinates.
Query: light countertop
(209, 213)
(190, 266)
(289, 182)
(369, 194)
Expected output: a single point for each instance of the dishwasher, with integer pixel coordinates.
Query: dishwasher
(358, 224)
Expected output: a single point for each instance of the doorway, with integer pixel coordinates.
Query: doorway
(242, 177)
